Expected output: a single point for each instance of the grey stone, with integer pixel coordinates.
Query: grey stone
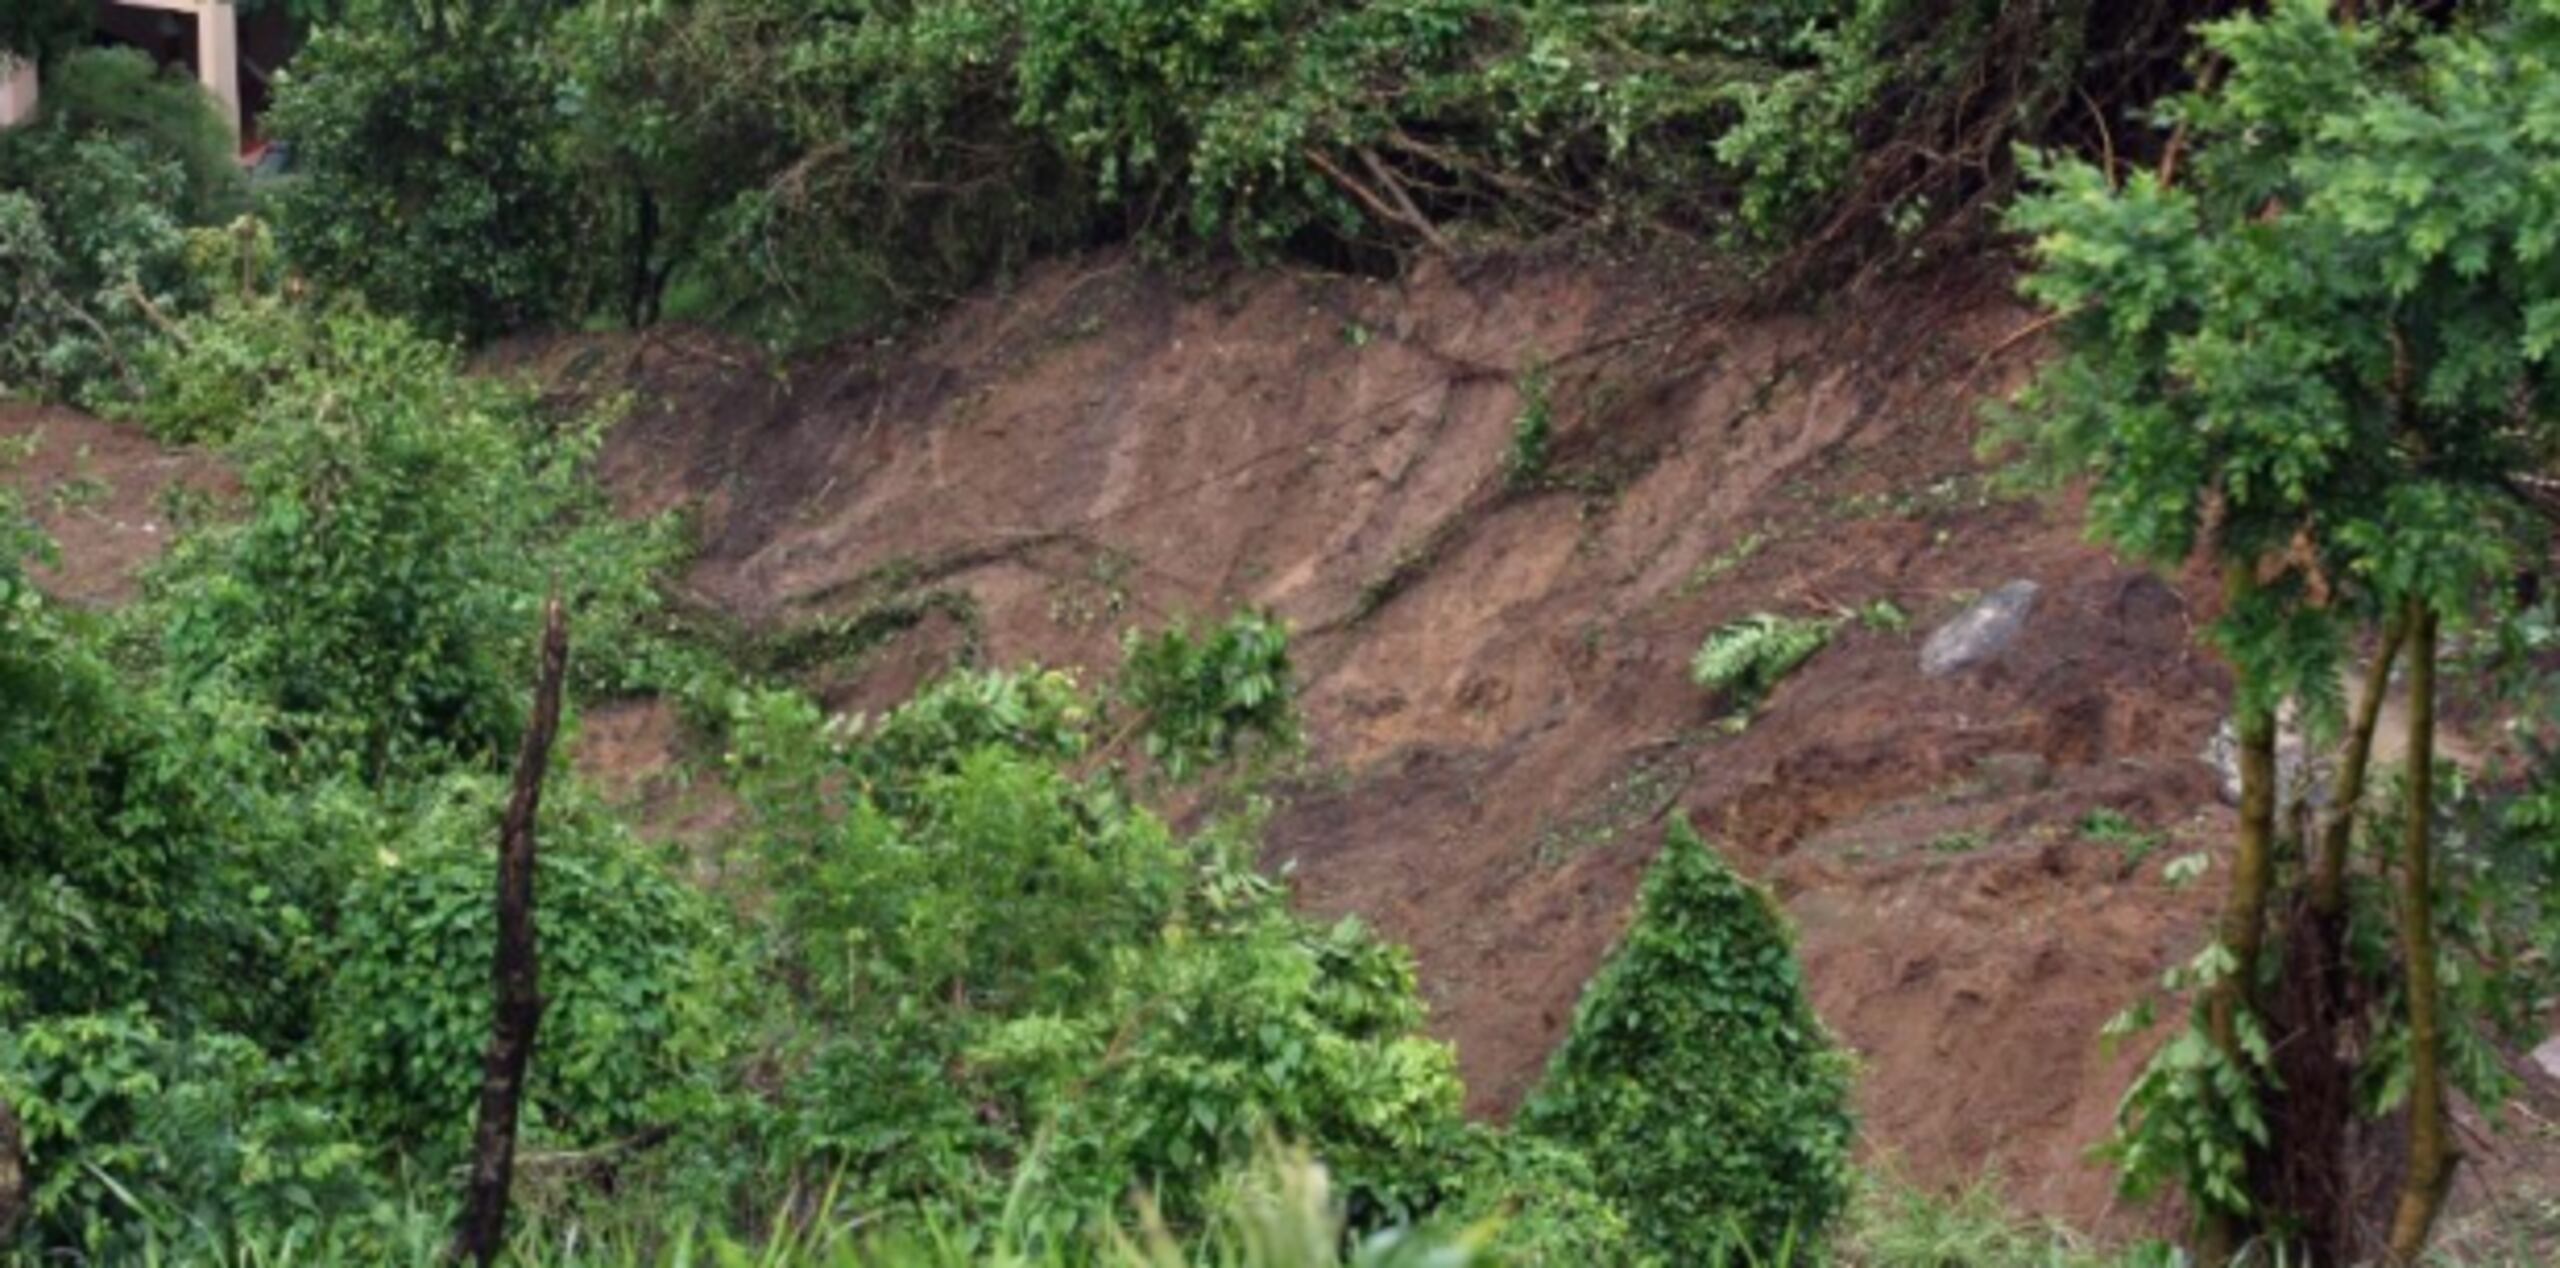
(2548, 1056)
(1979, 632)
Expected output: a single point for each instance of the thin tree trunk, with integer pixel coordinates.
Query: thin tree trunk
(515, 970)
(2329, 875)
(13, 1171)
(2243, 924)
(2309, 1105)
(2431, 1155)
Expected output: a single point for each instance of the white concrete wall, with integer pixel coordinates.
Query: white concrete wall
(17, 90)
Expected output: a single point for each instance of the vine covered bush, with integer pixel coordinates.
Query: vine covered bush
(630, 964)
(90, 881)
(1709, 1099)
(404, 522)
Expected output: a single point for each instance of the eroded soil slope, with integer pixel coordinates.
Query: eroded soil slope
(1496, 680)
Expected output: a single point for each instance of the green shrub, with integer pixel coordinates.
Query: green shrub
(132, 1133)
(1037, 999)
(404, 523)
(90, 873)
(120, 95)
(86, 224)
(428, 174)
(1186, 1053)
(630, 978)
(1533, 432)
(1541, 1199)
(94, 197)
(1697, 1080)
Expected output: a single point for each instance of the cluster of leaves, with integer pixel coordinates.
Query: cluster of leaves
(1745, 660)
(1533, 432)
(1711, 1103)
(631, 981)
(404, 522)
(1039, 999)
(1202, 695)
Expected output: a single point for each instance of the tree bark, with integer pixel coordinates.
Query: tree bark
(2329, 875)
(13, 1171)
(2431, 1155)
(515, 979)
(2241, 930)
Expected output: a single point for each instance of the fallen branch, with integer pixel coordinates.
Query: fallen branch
(1370, 199)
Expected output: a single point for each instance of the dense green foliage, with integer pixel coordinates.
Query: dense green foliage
(1745, 660)
(405, 521)
(1203, 695)
(1710, 1101)
(428, 169)
(630, 978)
(796, 168)
(1138, 1010)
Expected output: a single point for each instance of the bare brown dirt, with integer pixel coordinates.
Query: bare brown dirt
(101, 492)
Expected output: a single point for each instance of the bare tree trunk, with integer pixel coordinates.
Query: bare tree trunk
(515, 970)
(2329, 875)
(2310, 1107)
(13, 1171)
(2242, 927)
(2431, 1154)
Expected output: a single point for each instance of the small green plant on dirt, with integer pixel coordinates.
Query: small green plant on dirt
(1884, 616)
(1746, 659)
(2110, 827)
(1723, 564)
(1965, 842)
(1532, 432)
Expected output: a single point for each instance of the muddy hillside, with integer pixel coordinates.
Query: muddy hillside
(1496, 679)
(1969, 834)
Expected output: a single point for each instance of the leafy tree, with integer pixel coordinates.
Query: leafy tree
(404, 522)
(428, 169)
(2317, 354)
(1696, 1078)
